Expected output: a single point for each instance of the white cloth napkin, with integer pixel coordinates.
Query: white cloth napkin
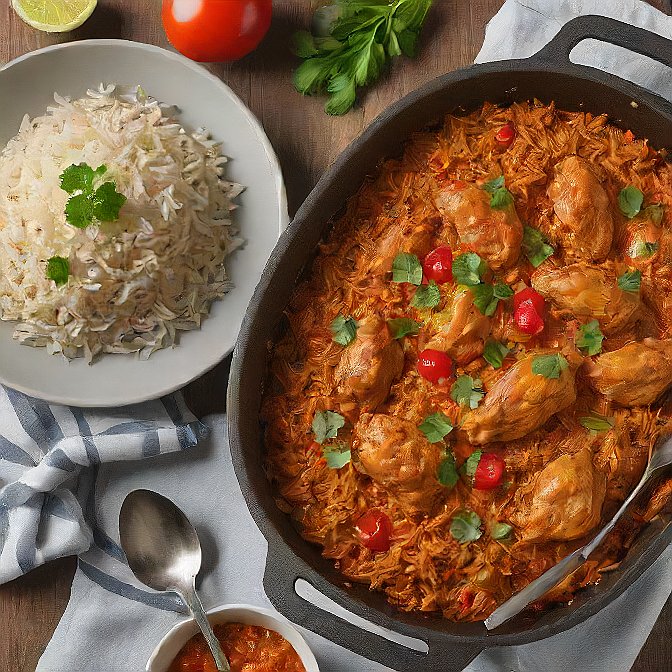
(112, 624)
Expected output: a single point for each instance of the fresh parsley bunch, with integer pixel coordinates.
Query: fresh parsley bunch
(351, 42)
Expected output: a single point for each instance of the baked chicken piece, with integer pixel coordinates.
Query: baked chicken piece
(521, 401)
(495, 235)
(636, 374)
(584, 220)
(586, 291)
(370, 364)
(399, 458)
(563, 501)
(463, 337)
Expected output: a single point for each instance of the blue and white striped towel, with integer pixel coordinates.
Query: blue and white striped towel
(49, 459)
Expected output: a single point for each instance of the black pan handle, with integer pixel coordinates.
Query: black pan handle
(608, 30)
(282, 571)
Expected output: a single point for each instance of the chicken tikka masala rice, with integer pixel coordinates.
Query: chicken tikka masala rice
(471, 378)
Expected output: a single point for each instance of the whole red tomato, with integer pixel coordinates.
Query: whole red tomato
(216, 30)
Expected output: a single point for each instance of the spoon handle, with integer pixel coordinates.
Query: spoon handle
(196, 608)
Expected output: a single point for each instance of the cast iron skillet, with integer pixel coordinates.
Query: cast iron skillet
(549, 76)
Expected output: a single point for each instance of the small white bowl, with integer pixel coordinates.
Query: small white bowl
(178, 636)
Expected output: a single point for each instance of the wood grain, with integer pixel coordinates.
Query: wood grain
(306, 141)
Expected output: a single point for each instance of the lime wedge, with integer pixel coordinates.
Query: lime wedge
(54, 16)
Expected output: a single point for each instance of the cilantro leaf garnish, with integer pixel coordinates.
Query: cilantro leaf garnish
(336, 456)
(468, 269)
(484, 298)
(58, 270)
(630, 281)
(467, 391)
(500, 197)
(471, 464)
(427, 296)
(356, 39)
(645, 249)
(87, 204)
(589, 337)
(535, 247)
(630, 201)
(407, 268)
(493, 185)
(403, 326)
(549, 366)
(494, 353)
(466, 526)
(500, 530)
(344, 330)
(326, 425)
(597, 422)
(79, 178)
(436, 426)
(655, 213)
(447, 473)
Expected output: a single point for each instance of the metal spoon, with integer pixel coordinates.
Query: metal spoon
(660, 459)
(163, 552)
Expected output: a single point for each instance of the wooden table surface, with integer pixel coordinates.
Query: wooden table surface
(307, 141)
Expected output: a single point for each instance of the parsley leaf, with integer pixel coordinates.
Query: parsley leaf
(403, 326)
(436, 426)
(107, 202)
(494, 353)
(597, 422)
(79, 178)
(655, 213)
(471, 464)
(466, 526)
(407, 268)
(336, 456)
(351, 44)
(447, 473)
(630, 281)
(589, 337)
(500, 197)
(549, 366)
(535, 247)
(58, 270)
(79, 211)
(468, 269)
(502, 291)
(500, 530)
(326, 425)
(344, 330)
(467, 391)
(630, 201)
(486, 297)
(427, 296)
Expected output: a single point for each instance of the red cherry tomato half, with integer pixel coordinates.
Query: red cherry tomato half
(375, 529)
(527, 319)
(434, 365)
(489, 472)
(506, 135)
(438, 265)
(529, 294)
(216, 30)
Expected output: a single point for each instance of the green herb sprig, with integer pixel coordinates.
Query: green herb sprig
(351, 50)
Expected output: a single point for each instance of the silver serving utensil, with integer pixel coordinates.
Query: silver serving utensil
(661, 458)
(163, 551)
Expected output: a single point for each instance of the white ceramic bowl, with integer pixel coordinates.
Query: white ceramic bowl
(27, 85)
(177, 637)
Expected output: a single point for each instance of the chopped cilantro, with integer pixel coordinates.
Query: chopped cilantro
(58, 270)
(436, 426)
(326, 425)
(336, 456)
(630, 201)
(589, 337)
(468, 269)
(407, 268)
(597, 423)
(467, 391)
(447, 474)
(549, 366)
(427, 296)
(500, 530)
(630, 281)
(403, 326)
(535, 247)
(344, 330)
(466, 526)
(79, 178)
(494, 353)
(471, 464)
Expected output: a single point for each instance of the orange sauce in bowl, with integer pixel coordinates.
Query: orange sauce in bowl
(249, 648)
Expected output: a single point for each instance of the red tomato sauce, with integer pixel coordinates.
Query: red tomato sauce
(249, 648)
